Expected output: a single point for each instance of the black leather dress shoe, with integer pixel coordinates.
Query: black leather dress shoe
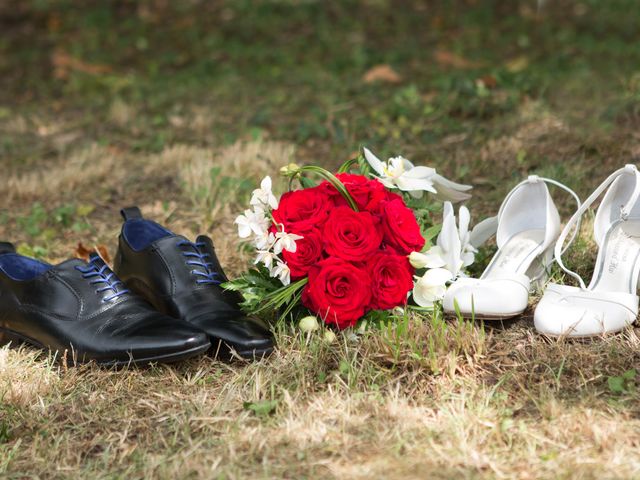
(182, 279)
(82, 311)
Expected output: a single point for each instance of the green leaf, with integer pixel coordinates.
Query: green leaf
(262, 293)
(306, 182)
(630, 374)
(261, 408)
(432, 232)
(346, 166)
(365, 168)
(616, 384)
(84, 209)
(5, 432)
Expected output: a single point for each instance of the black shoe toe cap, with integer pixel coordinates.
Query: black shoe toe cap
(248, 336)
(157, 339)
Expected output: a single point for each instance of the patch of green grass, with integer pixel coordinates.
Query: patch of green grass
(623, 383)
(298, 74)
(33, 224)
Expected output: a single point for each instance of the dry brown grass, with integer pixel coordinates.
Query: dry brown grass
(83, 169)
(501, 418)
(426, 399)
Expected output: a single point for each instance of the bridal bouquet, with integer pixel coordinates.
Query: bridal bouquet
(346, 244)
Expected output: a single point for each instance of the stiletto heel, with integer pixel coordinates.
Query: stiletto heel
(526, 229)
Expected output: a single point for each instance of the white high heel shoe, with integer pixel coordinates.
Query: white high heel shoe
(526, 229)
(610, 302)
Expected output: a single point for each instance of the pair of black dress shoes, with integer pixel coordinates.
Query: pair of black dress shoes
(161, 303)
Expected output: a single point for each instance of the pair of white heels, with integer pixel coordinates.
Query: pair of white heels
(528, 236)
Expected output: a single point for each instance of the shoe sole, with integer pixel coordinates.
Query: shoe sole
(9, 336)
(557, 336)
(256, 354)
(223, 350)
(478, 316)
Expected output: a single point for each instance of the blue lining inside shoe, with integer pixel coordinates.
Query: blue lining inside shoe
(20, 268)
(139, 233)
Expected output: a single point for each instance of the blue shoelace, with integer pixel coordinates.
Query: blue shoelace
(199, 259)
(102, 275)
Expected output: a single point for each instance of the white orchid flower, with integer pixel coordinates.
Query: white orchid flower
(264, 241)
(431, 287)
(263, 196)
(266, 257)
(400, 173)
(467, 251)
(253, 221)
(432, 258)
(281, 270)
(453, 250)
(449, 191)
(286, 241)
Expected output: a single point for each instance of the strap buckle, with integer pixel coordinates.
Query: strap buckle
(624, 215)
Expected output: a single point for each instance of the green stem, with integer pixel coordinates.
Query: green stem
(276, 299)
(333, 180)
(346, 166)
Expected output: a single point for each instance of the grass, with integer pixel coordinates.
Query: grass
(181, 107)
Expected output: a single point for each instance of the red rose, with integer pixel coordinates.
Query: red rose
(308, 253)
(401, 230)
(337, 291)
(388, 196)
(351, 235)
(302, 210)
(392, 196)
(391, 280)
(366, 193)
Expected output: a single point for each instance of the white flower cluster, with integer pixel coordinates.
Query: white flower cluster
(444, 261)
(399, 173)
(255, 222)
(454, 250)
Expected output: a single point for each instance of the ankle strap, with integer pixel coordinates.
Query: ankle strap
(625, 210)
(488, 227)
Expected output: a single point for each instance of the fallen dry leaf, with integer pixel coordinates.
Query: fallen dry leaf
(517, 64)
(381, 73)
(450, 59)
(54, 23)
(103, 251)
(488, 81)
(63, 62)
(84, 253)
